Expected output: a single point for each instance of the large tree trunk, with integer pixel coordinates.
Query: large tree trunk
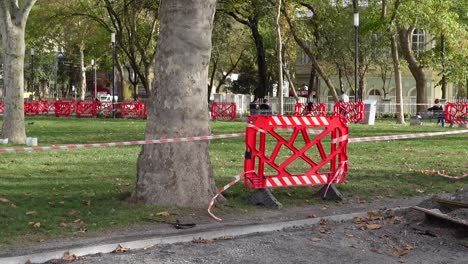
(179, 174)
(398, 85)
(12, 26)
(417, 70)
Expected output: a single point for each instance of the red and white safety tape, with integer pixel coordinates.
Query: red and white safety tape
(120, 144)
(225, 187)
(394, 137)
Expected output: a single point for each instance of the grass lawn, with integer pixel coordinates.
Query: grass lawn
(62, 193)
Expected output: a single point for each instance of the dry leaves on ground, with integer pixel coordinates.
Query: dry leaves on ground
(31, 213)
(69, 257)
(316, 239)
(120, 249)
(4, 200)
(202, 241)
(323, 221)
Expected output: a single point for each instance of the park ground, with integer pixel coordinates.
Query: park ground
(81, 194)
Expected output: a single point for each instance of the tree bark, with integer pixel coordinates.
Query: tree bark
(398, 84)
(82, 73)
(179, 174)
(12, 28)
(416, 69)
(279, 53)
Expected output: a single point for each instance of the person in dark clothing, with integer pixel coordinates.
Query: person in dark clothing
(265, 107)
(438, 111)
(254, 106)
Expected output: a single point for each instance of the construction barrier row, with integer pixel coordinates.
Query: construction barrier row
(83, 108)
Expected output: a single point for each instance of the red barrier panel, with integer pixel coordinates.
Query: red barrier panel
(354, 112)
(2, 108)
(317, 109)
(295, 159)
(133, 110)
(223, 111)
(63, 108)
(32, 108)
(106, 109)
(456, 113)
(86, 108)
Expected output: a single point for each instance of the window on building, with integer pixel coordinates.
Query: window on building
(418, 41)
(375, 92)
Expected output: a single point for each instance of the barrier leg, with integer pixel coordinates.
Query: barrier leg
(330, 193)
(264, 197)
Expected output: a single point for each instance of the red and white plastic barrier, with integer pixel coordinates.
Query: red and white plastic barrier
(317, 109)
(353, 111)
(456, 113)
(223, 111)
(322, 166)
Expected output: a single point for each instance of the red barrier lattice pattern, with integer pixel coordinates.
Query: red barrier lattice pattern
(275, 158)
(63, 108)
(133, 110)
(318, 109)
(354, 112)
(456, 113)
(86, 108)
(32, 108)
(223, 111)
(2, 108)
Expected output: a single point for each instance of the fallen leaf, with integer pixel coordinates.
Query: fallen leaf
(312, 216)
(73, 212)
(120, 249)
(228, 237)
(82, 229)
(373, 226)
(31, 213)
(419, 191)
(202, 241)
(323, 221)
(86, 202)
(37, 225)
(77, 221)
(63, 224)
(164, 213)
(4, 200)
(360, 220)
(69, 257)
(324, 208)
(404, 251)
(374, 216)
(326, 231)
(13, 205)
(349, 235)
(30, 223)
(316, 239)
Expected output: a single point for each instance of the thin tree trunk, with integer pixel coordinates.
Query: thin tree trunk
(179, 174)
(415, 67)
(398, 84)
(279, 46)
(262, 89)
(83, 74)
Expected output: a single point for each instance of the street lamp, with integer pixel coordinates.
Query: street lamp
(32, 69)
(356, 49)
(113, 72)
(93, 65)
